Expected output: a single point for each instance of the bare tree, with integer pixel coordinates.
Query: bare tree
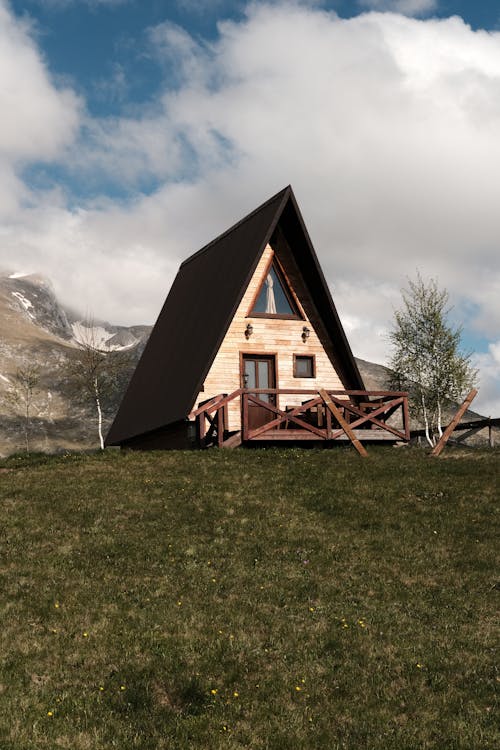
(96, 374)
(20, 396)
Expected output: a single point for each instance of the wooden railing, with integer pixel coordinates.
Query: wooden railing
(365, 412)
(335, 415)
(214, 411)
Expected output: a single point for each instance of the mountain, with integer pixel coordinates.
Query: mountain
(35, 329)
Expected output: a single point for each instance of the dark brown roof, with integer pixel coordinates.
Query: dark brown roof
(199, 309)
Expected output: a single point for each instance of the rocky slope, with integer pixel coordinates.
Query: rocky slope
(36, 329)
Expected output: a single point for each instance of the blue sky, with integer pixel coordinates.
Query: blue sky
(96, 42)
(102, 49)
(133, 131)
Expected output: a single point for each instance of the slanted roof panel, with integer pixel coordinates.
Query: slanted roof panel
(297, 236)
(199, 308)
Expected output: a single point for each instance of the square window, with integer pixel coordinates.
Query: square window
(303, 366)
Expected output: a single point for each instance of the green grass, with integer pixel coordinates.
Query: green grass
(249, 599)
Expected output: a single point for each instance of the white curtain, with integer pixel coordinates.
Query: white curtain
(270, 301)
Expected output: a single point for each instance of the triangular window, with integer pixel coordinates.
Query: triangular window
(275, 298)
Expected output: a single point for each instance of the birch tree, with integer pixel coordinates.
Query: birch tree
(427, 360)
(96, 374)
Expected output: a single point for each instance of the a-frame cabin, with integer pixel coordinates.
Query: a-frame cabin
(247, 336)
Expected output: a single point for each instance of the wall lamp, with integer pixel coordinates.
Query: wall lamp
(305, 333)
(248, 331)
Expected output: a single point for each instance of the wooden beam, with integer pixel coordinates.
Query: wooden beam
(200, 419)
(474, 424)
(309, 391)
(284, 435)
(244, 416)
(456, 419)
(378, 436)
(406, 418)
(283, 416)
(328, 415)
(340, 419)
(232, 442)
(220, 426)
(388, 406)
(212, 404)
(204, 406)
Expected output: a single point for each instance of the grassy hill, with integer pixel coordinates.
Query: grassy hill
(249, 599)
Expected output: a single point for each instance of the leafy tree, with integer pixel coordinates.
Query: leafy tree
(97, 375)
(427, 360)
(20, 396)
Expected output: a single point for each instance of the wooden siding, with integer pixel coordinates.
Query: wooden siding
(282, 338)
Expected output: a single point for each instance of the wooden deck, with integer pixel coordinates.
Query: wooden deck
(322, 417)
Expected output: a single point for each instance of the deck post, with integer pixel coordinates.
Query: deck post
(220, 426)
(201, 428)
(244, 415)
(406, 418)
(328, 416)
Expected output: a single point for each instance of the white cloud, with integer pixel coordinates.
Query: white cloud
(488, 399)
(38, 120)
(405, 7)
(387, 127)
(186, 58)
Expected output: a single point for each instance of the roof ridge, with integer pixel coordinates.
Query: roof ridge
(206, 247)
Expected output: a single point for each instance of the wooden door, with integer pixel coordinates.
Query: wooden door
(259, 371)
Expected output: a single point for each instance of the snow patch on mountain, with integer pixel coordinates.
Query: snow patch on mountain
(99, 337)
(25, 302)
(35, 296)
